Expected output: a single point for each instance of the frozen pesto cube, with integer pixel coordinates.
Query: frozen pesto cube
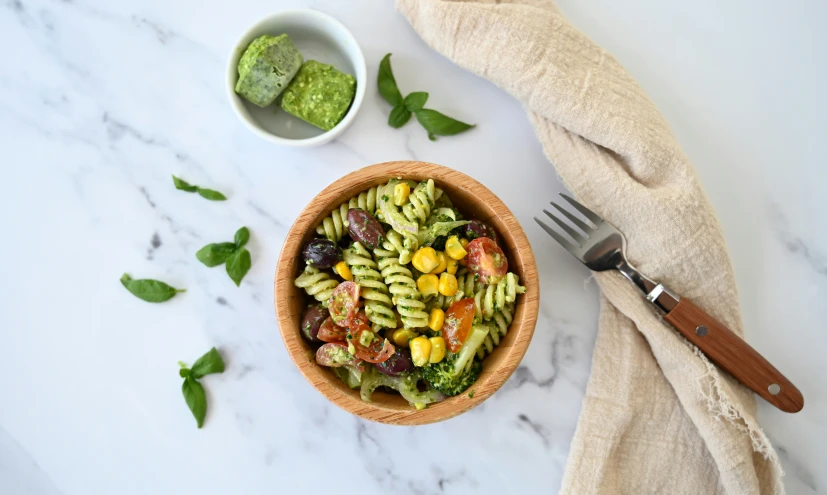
(319, 94)
(266, 68)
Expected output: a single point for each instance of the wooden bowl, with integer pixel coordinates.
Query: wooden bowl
(475, 201)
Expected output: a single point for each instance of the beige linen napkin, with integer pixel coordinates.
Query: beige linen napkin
(657, 416)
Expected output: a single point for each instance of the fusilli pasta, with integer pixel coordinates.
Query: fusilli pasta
(501, 321)
(495, 296)
(402, 286)
(378, 305)
(335, 225)
(420, 202)
(316, 283)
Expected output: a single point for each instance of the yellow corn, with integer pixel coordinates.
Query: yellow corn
(452, 267)
(436, 319)
(447, 284)
(425, 260)
(443, 263)
(428, 284)
(437, 349)
(420, 351)
(343, 270)
(401, 192)
(402, 336)
(464, 243)
(454, 249)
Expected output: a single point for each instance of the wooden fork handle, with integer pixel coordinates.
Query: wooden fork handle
(735, 356)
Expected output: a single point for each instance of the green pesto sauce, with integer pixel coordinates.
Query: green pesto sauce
(266, 68)
(319, 94)
(339, 355)
(366, 338)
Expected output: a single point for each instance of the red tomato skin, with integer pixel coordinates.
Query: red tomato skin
(344, 303)
(379, 351)
(331, 332)
(458, 321)
(486, 259)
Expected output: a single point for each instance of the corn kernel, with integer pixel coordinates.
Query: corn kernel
(437, 349)
(447, 284)
(443, 263)
(343, 270)
(402, 336)
(464, 243)
(425, 259)
(428, 284)
(452, 267)
(401, 192)
(420, 351)
(454, 249)
(436, 319)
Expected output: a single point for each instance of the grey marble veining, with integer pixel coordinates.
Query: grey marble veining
(100, 102)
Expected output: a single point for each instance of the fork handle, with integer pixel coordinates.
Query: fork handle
(734, 356)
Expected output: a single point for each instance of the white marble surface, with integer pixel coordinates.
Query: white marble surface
(101, 101)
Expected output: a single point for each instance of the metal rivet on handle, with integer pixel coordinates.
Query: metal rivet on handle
(774, 389)
(701, 331)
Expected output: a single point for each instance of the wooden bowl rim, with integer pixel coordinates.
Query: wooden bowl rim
(490, 380)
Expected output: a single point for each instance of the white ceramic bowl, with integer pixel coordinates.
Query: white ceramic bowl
(318, 36)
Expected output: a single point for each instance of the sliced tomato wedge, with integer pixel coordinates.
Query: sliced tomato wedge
(378, 350)
(331, 332)
(344, 303)
(487, 260)
(359, 321)
(335, 355)
(458, 320)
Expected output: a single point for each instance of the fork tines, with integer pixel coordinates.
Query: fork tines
(578, 237)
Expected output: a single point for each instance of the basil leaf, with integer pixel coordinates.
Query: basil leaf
(183, 185)
(211, 195)
(238, 265)
(205, 193)
(184, 372)
(438, 124)
(242, 236)
(196, 399)
(416, 100)
(386, 82)
(209, 363)
(153, 291)
(215, 254)
(399, 116)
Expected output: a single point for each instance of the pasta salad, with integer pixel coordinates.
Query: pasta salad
(406, 293)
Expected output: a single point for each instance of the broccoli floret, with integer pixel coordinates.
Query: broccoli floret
(454, 374)
(441, 375)
(404, 384)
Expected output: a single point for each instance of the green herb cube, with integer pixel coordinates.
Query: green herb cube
(266, 68)
(319, 95)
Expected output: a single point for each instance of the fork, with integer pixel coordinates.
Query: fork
(602, 247)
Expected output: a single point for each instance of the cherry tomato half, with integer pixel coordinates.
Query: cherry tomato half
(487, 260)
(335, 355)
(458, 320)
(344, 303)
(378, 351)
(331, 332)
